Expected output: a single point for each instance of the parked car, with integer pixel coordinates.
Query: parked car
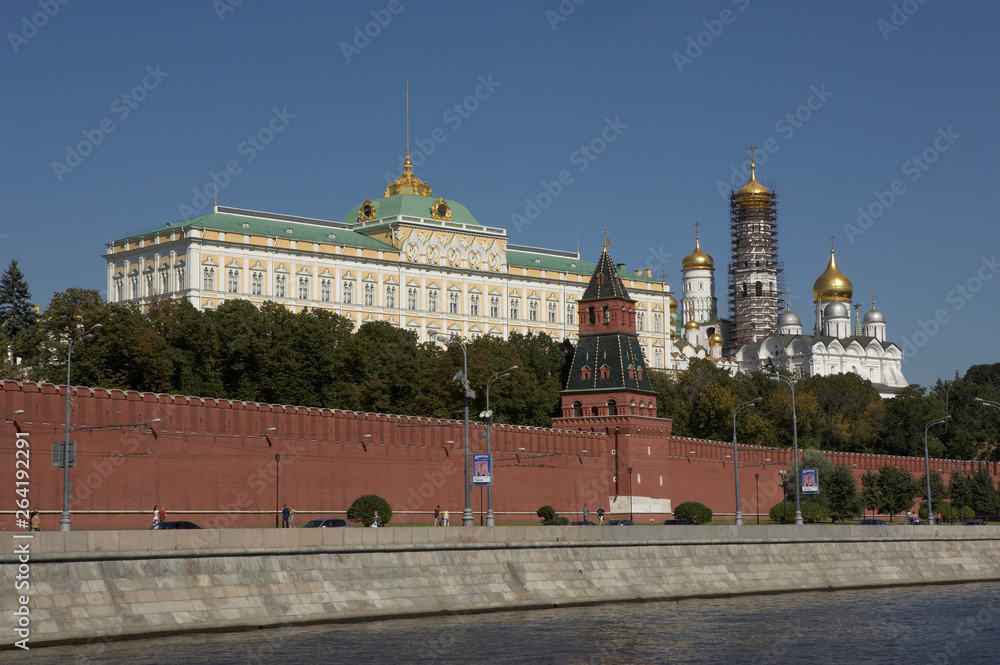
(582, 523)
(619, 523)
(676, 522)
(976, 522)
(872, 522)
(327, 522)
(175, 525)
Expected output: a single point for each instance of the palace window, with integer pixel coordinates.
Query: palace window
(233, 280)
(532, 310)
(133, 286)
(369, 295)
(390, 295)
(118, 288)
(256, 283)
(165, 281)
(303, 287)
(495, 306)
(640, 321)
(657, 321)
(515, 308)
(453, 302)
(553, 312)
(570, 312)
(432, 300)
(411, 298)
(326, 289)
(474, 304)
(179, 277)
(280, 286)
(208, 278)
(348, 292)
(149, 285)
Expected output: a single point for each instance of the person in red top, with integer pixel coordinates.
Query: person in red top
(162, 513)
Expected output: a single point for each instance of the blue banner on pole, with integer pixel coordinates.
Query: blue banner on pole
(482, 469)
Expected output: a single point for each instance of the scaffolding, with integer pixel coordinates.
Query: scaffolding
(756, 275)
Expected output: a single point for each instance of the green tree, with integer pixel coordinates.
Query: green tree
(841, 490)
(16, 309)
(870, 499)
(959, 490)
(982, 493)
(897, 489)
(362, 510)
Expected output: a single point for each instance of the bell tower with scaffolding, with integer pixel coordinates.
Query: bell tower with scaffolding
(756, 281)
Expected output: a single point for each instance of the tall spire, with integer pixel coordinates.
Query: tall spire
(408, 183)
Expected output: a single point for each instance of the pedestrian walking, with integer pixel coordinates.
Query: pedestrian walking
(156, 516)
(444, 518)
(377, 521)
(163, 514)
(600, 515)
(35, 521)
(284, 517)
(437, 516)
(586, 513)
(291, 516)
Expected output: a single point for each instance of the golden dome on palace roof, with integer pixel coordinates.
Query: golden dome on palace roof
(715, 339)
(691, 325)
(673, 302)
(752, 188)
(833, 284)
(697, 258)
(407, 183)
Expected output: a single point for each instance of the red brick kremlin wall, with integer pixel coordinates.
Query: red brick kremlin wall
(211, 462)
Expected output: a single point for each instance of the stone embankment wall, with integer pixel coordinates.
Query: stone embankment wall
(87, 585)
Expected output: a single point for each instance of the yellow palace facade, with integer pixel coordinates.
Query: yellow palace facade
(423, 263)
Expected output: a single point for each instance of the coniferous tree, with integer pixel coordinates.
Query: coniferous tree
(16, 309)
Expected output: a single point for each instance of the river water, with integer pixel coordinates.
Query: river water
(928, 624)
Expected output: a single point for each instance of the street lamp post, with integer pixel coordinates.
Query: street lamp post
(64, 522)
(986, 402)
(736, 459)
(756, 478)
(795, 442)
(277, 492)
(487, 416)
(631, 516)
(463, 380)
(927, 467)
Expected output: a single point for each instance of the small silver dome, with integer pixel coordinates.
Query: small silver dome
(874, 316)
(836, 310)
(788, 319)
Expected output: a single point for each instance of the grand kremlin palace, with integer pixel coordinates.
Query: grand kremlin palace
(421, 262)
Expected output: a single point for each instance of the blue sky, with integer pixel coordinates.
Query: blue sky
(644, 108)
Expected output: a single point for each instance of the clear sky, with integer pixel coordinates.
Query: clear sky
(117, 113)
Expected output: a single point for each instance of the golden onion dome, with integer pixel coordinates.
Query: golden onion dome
(673, 303)
(715, 339)
(697, 258)
(691, 325)
(833, 284)
(752, 188)
(407, 183)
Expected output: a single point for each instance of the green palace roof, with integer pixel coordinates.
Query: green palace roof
(412, 205)
(320, 232)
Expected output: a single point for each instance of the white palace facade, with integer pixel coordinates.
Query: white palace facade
(424, 264)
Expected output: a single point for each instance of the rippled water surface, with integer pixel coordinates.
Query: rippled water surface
(936, 624)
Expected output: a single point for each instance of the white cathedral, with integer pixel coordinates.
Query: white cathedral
(833, 348)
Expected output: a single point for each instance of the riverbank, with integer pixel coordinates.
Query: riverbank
(84, 585)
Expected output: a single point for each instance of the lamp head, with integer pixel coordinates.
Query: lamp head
(486, 415)
(97, 327)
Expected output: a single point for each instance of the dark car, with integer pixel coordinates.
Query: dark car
(871, 522)
(582, 523)
(975, 522)
(175, 525)
(619, 523)
(327, 522)
(676, 522)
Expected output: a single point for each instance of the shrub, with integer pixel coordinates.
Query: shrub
(549, 517)
(362, 511)
(949, 512)
(785, 509)
(693, 511)
(812, 513)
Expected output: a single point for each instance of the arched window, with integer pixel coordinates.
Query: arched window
(606, 315)
(760, 288)
(577, 409)
(593, 318)
(612, 407)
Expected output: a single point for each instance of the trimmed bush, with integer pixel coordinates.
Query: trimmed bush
(362, 511)
(948, 512)
(812, 513)
(785, 509)
(549, 517)
(693, 511)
